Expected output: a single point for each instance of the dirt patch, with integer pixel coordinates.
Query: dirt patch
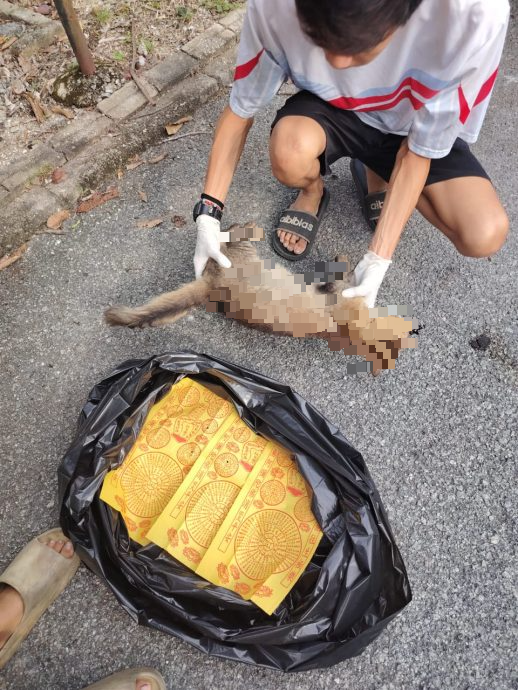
(28, 113)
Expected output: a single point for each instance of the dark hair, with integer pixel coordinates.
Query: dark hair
(349, 27)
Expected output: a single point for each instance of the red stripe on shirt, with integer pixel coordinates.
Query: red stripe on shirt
(244, 70)
(484, 92)
(463, 106)
(347, 103)
(486, 88)
(352, 103)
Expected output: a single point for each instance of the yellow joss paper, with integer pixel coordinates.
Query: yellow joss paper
(176, 430)
(269, 535)
(195, 513)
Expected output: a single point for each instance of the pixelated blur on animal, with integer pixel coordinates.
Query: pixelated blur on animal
(268, 297)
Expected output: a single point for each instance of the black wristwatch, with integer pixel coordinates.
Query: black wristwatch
(206, 206)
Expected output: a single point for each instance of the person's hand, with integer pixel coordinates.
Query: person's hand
(208, 244)
(367, 278)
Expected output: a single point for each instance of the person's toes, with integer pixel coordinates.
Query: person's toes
(288, 240)
(142, 685)
(67, 550)
(299, 247)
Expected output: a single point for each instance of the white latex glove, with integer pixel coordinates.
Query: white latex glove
(208, 244)
(368, 276)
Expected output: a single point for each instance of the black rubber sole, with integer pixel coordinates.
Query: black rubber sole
(281, 250)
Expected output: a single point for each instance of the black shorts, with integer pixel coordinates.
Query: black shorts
(349, 136)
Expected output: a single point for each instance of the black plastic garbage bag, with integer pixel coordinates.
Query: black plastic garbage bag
(354, 585)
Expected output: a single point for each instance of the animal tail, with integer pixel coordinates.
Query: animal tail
(165, 308)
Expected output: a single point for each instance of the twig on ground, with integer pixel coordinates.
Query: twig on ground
(139, 81)
(187, 134)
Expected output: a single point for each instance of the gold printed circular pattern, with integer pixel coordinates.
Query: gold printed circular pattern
(188, 453)
(189, 397)
(173, 410)
(242, 434)
(273, 492)
(267, 542)
(303, 510)
(208, 508)
(218, 407)
(209, 426)
(285, 460)
(148, 482)
(158, 438)
(226, 464)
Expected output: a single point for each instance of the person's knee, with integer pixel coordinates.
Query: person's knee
(294, 147)
(487, 238)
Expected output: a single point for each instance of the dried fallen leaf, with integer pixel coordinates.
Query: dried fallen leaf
(9, 259)
(29, 69)
(38, 111)
(96, 199)
(157, 159)
(150, 223)
(179, 221)
(134, 162)
(60, 110)
(142, 196)
(8, 43)
(58, 175)
(173, 127)
(55, 221)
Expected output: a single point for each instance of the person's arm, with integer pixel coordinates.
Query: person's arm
(405, 187)
(229, 141)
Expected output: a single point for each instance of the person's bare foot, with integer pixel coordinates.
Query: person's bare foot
(308, 200)
(11, 603)
(142, 685)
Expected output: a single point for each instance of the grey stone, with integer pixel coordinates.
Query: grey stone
(171, 70)
(22, 14)
(125, 101)
(37, 38)
(11, 29)
(23, 217)
(209, 43)
(71, 188)
(87, 127)
(223, 68)
(41, 159)
(233, 20)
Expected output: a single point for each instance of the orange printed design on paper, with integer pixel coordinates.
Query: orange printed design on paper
(206, 495)
(155, 467)
(261, 537)
(223, 573)
(191, 554)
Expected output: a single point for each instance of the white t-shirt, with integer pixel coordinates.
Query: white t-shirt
(432, 82)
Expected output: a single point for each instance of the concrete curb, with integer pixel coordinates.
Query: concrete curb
(96, 143)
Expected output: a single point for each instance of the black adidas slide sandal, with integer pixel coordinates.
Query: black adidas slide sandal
(304, 225)
(371, 204)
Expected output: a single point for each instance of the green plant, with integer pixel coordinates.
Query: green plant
(148, 44)
(184, 13)
(220, 6)
(102, 14)
(119, 55)
(39, 176)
